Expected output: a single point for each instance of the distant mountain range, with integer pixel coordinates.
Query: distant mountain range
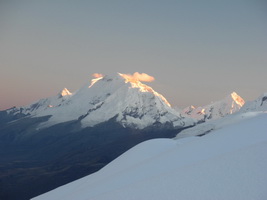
(229, 105)
(59, 139)
(248, 110)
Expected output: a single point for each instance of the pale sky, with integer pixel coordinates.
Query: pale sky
(198, 51)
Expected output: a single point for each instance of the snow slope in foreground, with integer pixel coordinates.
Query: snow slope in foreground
(229, 164)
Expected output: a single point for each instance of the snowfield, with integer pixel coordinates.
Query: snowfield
(229, 163)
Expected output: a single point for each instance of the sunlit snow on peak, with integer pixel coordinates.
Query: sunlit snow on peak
(238, 99)
(135, 83)
(97, 77)
(135, 77)
(65, 92)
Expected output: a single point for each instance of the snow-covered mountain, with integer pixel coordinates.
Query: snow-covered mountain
(229, 164)
(127, 100)
(229, 105)
(249, 110)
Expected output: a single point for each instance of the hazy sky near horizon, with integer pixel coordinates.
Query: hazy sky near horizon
(198, 51)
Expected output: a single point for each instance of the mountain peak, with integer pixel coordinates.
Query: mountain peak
(135, 77)
(65, 92)
(238, 100)
(125, 98)
(135, 81)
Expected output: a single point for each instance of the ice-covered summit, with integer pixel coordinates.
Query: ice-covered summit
(229, 105)
(122, 97)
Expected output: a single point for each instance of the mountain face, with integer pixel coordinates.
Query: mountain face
(60, 139)
(130, 102)
(229, 105)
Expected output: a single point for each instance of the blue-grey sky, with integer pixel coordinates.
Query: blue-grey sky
(198, 50)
